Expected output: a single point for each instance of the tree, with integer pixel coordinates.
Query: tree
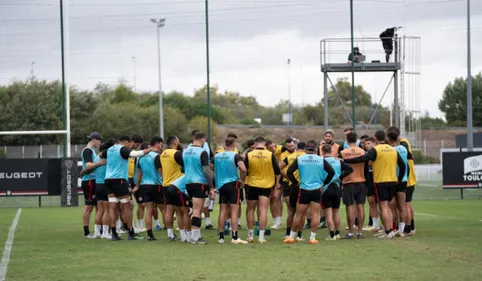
(454, 101)
(33, 105)
(201, 123)
(343, 88)
(430, 122)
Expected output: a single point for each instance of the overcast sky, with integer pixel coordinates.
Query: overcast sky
(251, 41)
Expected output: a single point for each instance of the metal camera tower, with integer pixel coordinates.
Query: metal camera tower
(404, 65)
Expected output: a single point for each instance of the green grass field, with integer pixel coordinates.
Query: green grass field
(49, 245)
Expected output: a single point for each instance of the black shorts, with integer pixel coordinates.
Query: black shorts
(305, 197)
(100, 193)
(149, 193)
(370, 189)
(294, 192)
(253, 193)
(175, 197)
(354, 193)
(331, 197)
(385, 191)
(401, 187)
(118, 187)
(230, 193)
(286, 188)
(139, 195)
(197, 190)
(410, 190)
(88, 187)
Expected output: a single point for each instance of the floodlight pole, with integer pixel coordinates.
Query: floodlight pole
(65, 88)
(208, 85)
(160, 24)
(353, 100)
(470, 134)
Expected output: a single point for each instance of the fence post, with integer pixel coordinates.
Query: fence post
(424, 147)
(443, 144)
(41, 154)
(58, 151)
(40, 201)
(462, 194)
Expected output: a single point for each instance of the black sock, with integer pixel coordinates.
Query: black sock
(370, 221)
(235, 235)
(332, 234)
(407, 229)
(337, 232)
(86, 230)
(125, 226)
(101, 229)
(221, 235)
(131, 232)
(300, 233)
(149, 233)
(288, 231)
(308, 221)
(356, 221)
(412, 224)
(388, 231)
(322, 219)
(114, 231)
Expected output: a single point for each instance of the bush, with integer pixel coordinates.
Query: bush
(3, 154)
(420, 158)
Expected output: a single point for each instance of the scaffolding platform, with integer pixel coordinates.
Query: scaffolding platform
(403, 65)
(361, 67)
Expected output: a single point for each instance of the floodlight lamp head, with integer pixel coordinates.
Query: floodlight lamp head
(153, 20)
(162, 22)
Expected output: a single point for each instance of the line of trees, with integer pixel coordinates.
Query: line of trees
(117, 110)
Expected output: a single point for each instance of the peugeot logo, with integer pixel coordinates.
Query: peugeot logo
(68, 164)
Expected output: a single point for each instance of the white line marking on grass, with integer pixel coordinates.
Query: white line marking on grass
(428, 215)
(8, 246)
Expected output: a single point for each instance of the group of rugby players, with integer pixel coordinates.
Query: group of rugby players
(312, 178)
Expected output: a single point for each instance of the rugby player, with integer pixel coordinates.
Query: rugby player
(102, 216)
(331, 193)
(276, 203)
(178, 201)
(205, 212)
(139, 193)
(199, 182)
(401, 190)
(329, 139)
(222, 147)
(116, 180)
(172, 169)
(227, 180)
(149, 181)
(385, 160)
(372, 201)
(250, 143)
(412, 181)
(314, 172)
(346, 144)
(354, 189)
(263, 174)
(88, 179)
(227, 223)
